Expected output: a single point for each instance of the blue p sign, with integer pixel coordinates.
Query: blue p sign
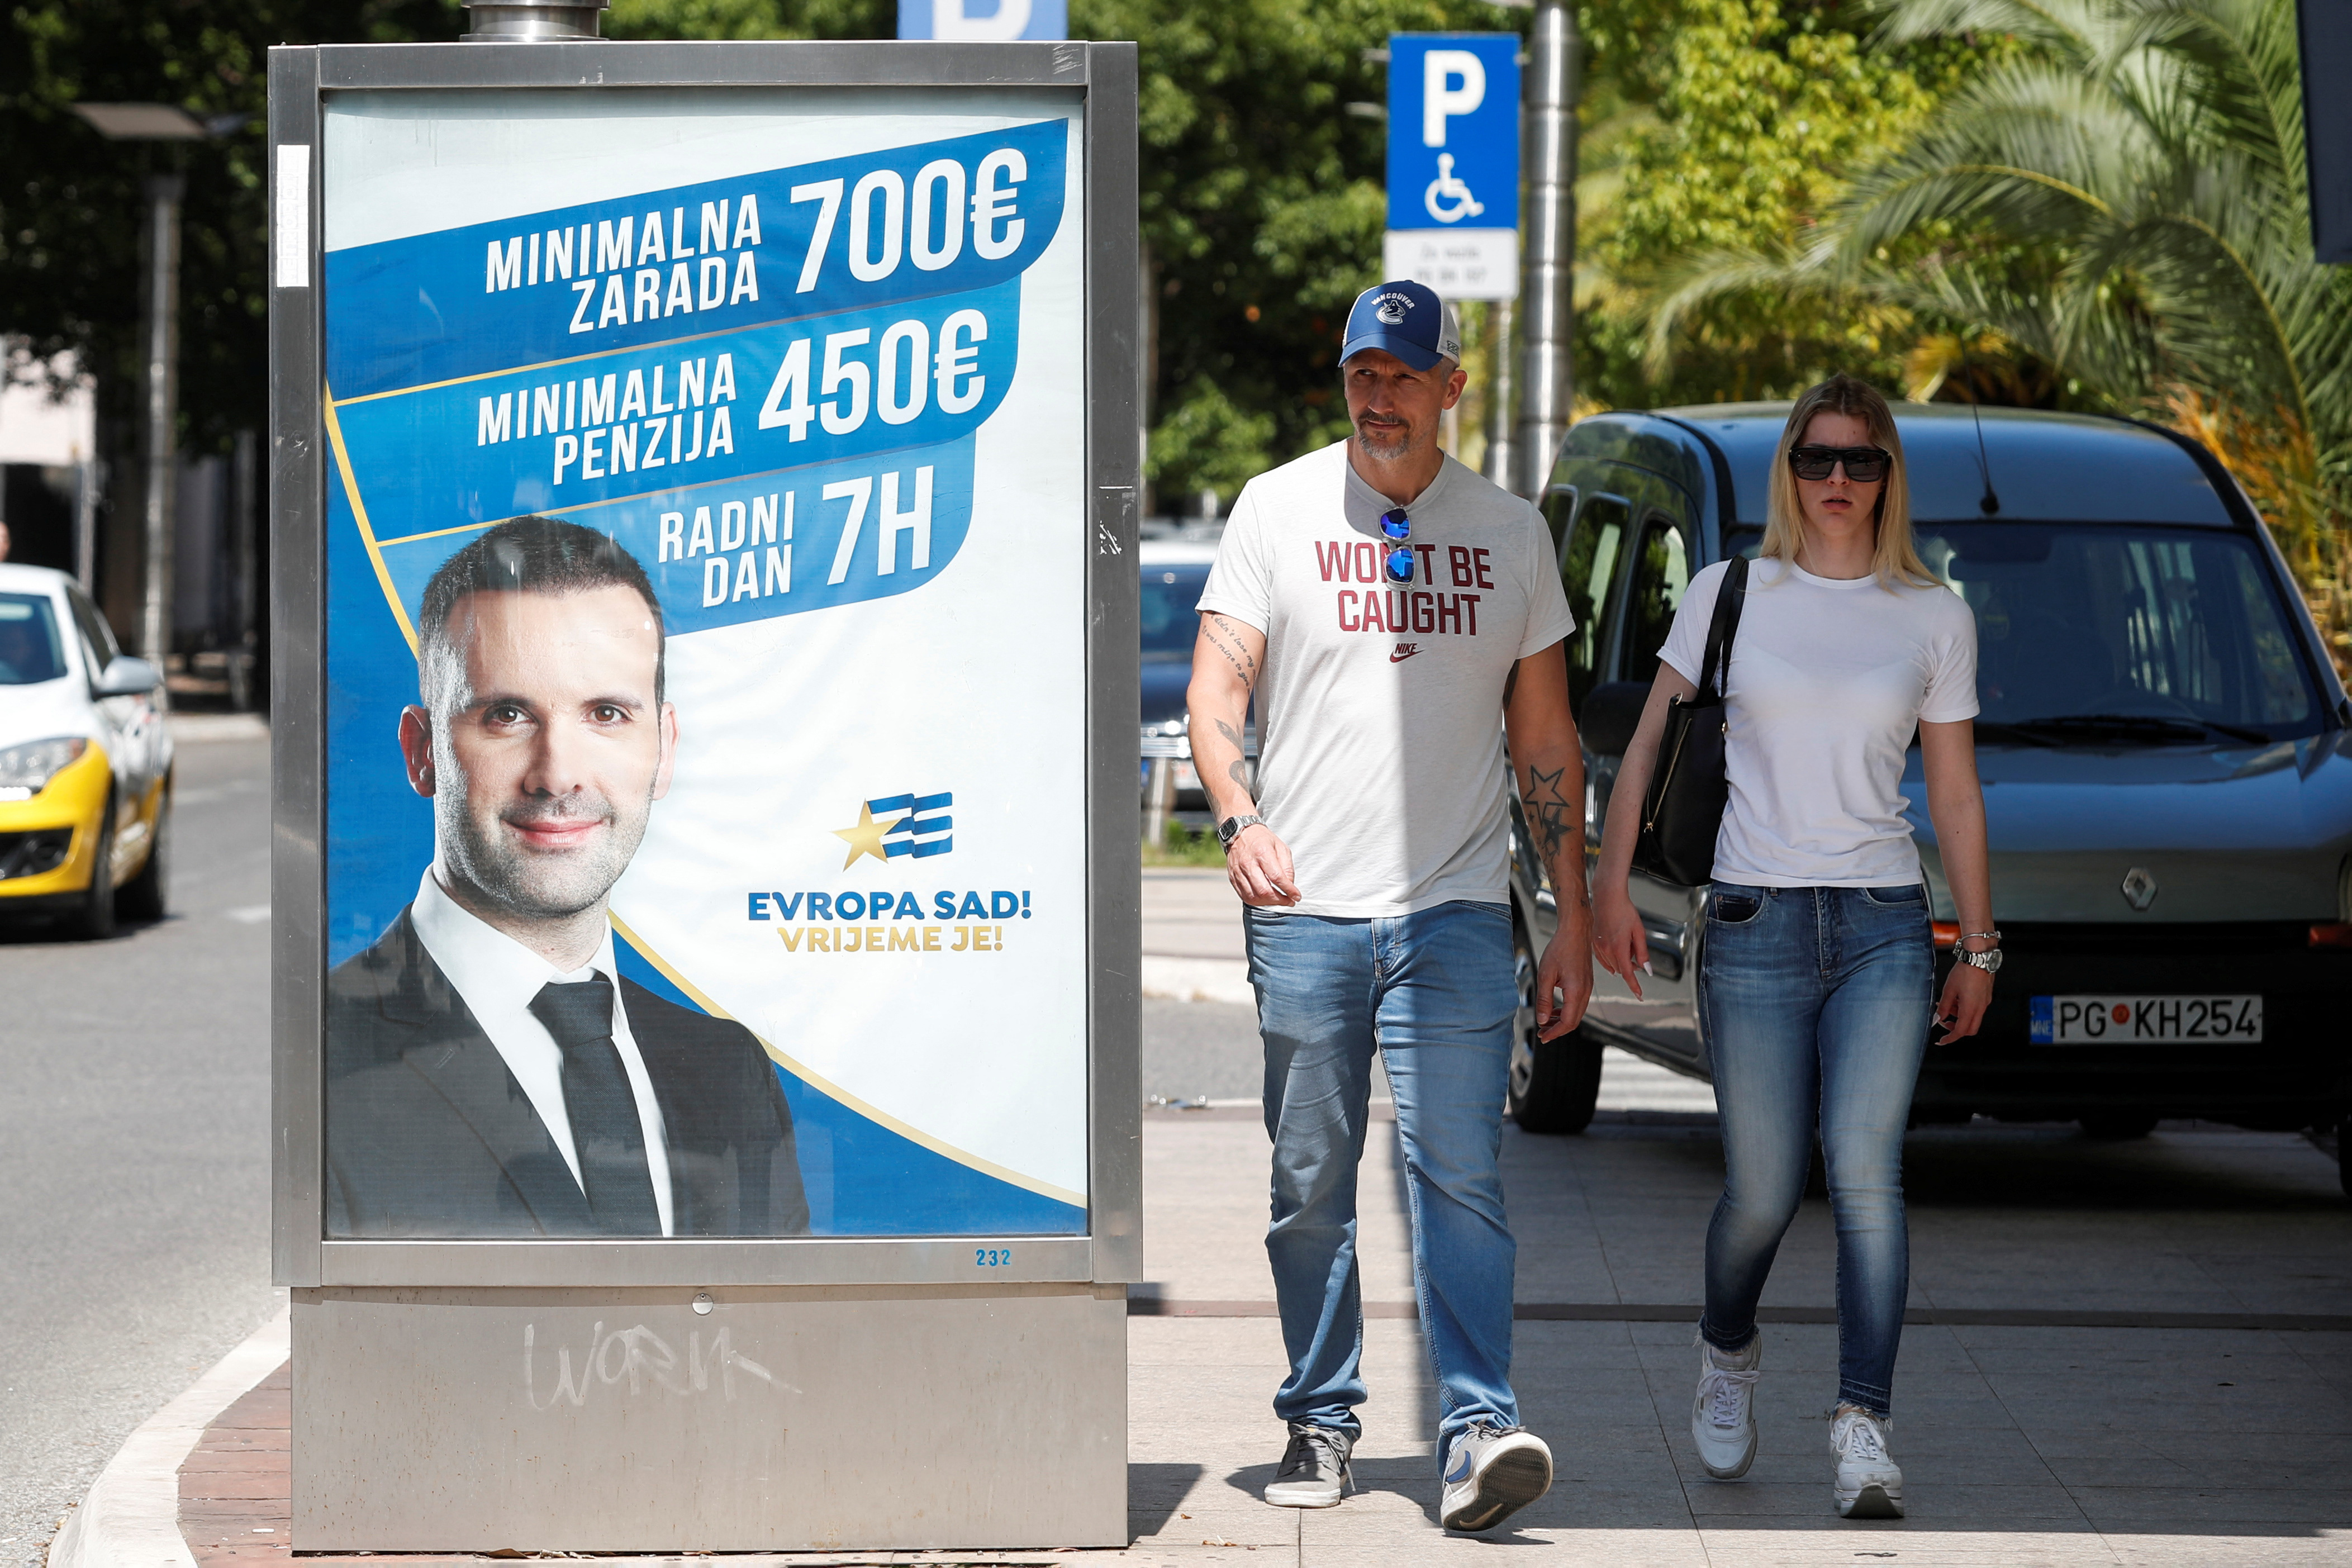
(1454, 131)
(984, 21)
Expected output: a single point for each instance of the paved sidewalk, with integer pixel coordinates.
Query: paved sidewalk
(1193, 949)
(2022, 1443)
(2132, 1354)
(2025, 1439)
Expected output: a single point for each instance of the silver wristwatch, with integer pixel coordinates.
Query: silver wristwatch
(1990, 962)
(1231, 828)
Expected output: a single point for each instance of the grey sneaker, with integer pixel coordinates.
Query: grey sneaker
(1313, 1472)
(1723, 1422)
(1493, 1472)
(1869, 1481)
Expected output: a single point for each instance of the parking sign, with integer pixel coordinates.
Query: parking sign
(984, 21)
(1454, 163)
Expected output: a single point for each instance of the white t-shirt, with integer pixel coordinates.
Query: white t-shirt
(1380, 709)
(1828, 679)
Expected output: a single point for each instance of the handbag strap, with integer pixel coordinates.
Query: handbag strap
(1721, 630)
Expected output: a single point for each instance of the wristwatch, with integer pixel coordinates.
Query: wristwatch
(1231, 828)
(1990, 961)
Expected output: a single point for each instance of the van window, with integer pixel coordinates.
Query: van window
(1588, 566)
(2128, 631)
(1661, 572)
(1559, 507)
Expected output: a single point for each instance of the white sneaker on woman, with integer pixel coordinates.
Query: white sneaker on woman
(1723, 1425)
(1869, 1481)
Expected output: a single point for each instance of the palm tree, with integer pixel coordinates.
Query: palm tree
(2121, 196)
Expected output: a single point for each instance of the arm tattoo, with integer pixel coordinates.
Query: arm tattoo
(1554, 821)
(1229, 733)
(1239, 774)
(1226, 641)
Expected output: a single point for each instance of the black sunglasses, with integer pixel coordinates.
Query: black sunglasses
(1864, 465)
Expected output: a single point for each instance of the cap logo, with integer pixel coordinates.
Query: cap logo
(1391, 309)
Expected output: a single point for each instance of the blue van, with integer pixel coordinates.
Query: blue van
(2163, 743)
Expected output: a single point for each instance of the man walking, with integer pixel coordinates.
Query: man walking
(1394, 614)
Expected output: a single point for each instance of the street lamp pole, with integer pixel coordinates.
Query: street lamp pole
(162, 324)
(159, 314)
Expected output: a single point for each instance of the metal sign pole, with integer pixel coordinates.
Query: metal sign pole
(1501, 384)
(1545, 387)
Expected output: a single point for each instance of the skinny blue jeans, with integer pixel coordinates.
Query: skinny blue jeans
(1435, 993)
(1817, 1003)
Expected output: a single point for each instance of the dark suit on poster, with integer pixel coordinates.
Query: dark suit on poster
(429, 1135)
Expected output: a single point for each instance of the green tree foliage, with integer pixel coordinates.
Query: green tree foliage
(2153, 150)
(1263, 208)
(1261, 189)
(735, 19)
(1730, 126)
(71, 265)
(1261, 192)
(2121, 199)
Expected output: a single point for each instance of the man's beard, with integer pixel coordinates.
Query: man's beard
(553, 886)
(1388, 448)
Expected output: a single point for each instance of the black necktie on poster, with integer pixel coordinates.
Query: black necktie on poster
(605, 1132)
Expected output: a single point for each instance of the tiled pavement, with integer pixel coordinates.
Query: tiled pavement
(2023, 1445)
(2026, 1439)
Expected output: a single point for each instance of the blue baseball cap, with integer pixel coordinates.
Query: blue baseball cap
(1407, 320)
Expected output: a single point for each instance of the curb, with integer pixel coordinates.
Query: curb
(1198, 979)
(131, 1517)
(191, 728)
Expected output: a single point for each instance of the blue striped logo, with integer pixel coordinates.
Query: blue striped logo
(922, 832)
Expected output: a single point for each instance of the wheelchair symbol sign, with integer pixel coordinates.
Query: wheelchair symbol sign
(1454, 131)
(1447, 199)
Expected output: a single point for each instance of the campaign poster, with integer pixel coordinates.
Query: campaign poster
(706, 662)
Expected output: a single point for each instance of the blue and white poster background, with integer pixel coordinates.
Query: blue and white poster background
(818, 362)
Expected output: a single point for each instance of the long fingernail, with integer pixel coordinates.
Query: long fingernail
(1645, 967)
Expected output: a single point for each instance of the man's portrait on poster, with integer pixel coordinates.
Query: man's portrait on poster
(489, 1071)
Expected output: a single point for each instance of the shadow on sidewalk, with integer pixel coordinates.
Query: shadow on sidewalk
(1153, 1493)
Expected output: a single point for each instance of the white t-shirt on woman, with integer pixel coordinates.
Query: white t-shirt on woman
(1828, 680)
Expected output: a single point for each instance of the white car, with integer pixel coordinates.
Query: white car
(84, 761)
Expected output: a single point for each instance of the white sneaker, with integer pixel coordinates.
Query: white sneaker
(1722, 1423)
(1869, 1481)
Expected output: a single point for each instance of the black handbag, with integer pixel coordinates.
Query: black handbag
(1683, 810)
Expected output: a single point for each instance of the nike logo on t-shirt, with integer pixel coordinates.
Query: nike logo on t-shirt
(1404, 650)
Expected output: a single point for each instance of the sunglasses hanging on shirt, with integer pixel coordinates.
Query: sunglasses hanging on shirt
(1399, 559)
(1864, 465)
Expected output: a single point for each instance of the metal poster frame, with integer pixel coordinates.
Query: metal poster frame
(300, 78)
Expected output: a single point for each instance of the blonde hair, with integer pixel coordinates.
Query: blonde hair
(1896, 558)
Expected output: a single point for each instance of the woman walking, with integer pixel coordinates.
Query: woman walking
(1816, 983)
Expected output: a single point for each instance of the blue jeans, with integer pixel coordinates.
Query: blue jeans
(1816, 1002)
(1434, 992)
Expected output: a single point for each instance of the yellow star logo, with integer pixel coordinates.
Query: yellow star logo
(864, 837)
